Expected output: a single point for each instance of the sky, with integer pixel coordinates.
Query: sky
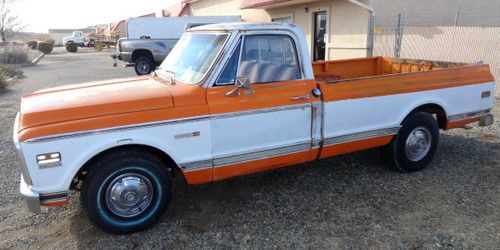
(41, 15)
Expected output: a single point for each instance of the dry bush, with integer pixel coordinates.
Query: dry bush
(51, 41)
(45, 47)
(13, 55)
(10, 70)
(32, 44)
(3, 83)
(99, 46)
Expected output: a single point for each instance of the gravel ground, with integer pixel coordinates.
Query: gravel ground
(351, 201)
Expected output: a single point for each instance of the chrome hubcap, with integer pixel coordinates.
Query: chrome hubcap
(418, 144)
(143, 67)
(128, 195)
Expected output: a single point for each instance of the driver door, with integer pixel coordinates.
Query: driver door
(268, 126)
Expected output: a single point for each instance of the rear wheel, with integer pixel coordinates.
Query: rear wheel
(126, 191)
(415, 144)
(144, 65)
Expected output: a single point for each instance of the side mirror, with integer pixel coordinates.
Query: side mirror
(243, 83)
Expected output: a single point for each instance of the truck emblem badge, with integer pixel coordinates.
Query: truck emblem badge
(187, 135)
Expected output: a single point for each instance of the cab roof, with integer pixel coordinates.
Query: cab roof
(244, 26)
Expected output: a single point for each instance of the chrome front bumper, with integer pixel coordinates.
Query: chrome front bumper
(31, 197)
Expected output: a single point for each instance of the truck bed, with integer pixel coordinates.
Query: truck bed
(339, 70)
(381, 76)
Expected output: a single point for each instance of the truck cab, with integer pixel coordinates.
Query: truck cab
(233, 99)
(77, 37)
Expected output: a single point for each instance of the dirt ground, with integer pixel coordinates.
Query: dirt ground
(351, 201)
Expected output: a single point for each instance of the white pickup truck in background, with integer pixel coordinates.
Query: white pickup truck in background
(149, 40)
(77, 37)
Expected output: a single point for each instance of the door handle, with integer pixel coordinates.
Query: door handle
(299, 97)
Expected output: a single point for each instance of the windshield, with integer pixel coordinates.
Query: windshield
(192, 56)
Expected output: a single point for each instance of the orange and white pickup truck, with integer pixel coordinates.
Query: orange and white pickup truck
(233, 99)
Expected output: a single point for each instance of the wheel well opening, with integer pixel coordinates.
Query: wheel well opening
(165, 158)
(141, 52)
(435, 110)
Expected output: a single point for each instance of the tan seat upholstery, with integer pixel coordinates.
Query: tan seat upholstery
(262, 72)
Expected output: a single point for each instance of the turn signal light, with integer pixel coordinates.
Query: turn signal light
(49, 158)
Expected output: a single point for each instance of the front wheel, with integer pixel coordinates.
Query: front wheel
(415, 144)
(144, 65)
(126, 191)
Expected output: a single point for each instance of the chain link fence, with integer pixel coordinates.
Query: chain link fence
(467, 44)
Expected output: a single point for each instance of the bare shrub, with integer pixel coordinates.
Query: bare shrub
(13, 55)
(3, 83)
(99, 46)
(11, 71)
(45, 47)
(32, 44)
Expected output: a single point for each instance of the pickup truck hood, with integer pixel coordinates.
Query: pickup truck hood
(95, 99)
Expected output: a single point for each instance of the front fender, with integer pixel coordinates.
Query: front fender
(76, 151)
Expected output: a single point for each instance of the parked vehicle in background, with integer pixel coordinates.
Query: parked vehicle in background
(233, 99)
(90, 42)
(149, 40)
(78, 37)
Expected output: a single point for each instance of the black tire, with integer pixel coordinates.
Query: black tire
(147, 171)
(424, 127)
(144, 65)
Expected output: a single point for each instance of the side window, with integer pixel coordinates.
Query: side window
(269, 58)
(228, 75)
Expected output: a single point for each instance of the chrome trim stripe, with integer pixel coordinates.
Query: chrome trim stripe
(317, 123)
(222, 161)
(361, 136)
(196, 165)
(303, 146)
(463, 116)
(53, 197)
(48, 201)
(260, 111)
(119, 128)
(229, 160)
(165, 122)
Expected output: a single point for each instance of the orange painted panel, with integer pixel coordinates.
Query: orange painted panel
(353, 146)
(314, 154)
(188, 101)
(461, 123)
(405, 83)
(348, 68)
(55, 203)
(224, 172)
(199, 176)
(266, 95)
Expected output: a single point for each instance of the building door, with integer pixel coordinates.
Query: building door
(319, 36)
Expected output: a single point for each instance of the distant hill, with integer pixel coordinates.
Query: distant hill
(29, 36)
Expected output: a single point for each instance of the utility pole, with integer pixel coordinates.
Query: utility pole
(399, 36)
(456, 17)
